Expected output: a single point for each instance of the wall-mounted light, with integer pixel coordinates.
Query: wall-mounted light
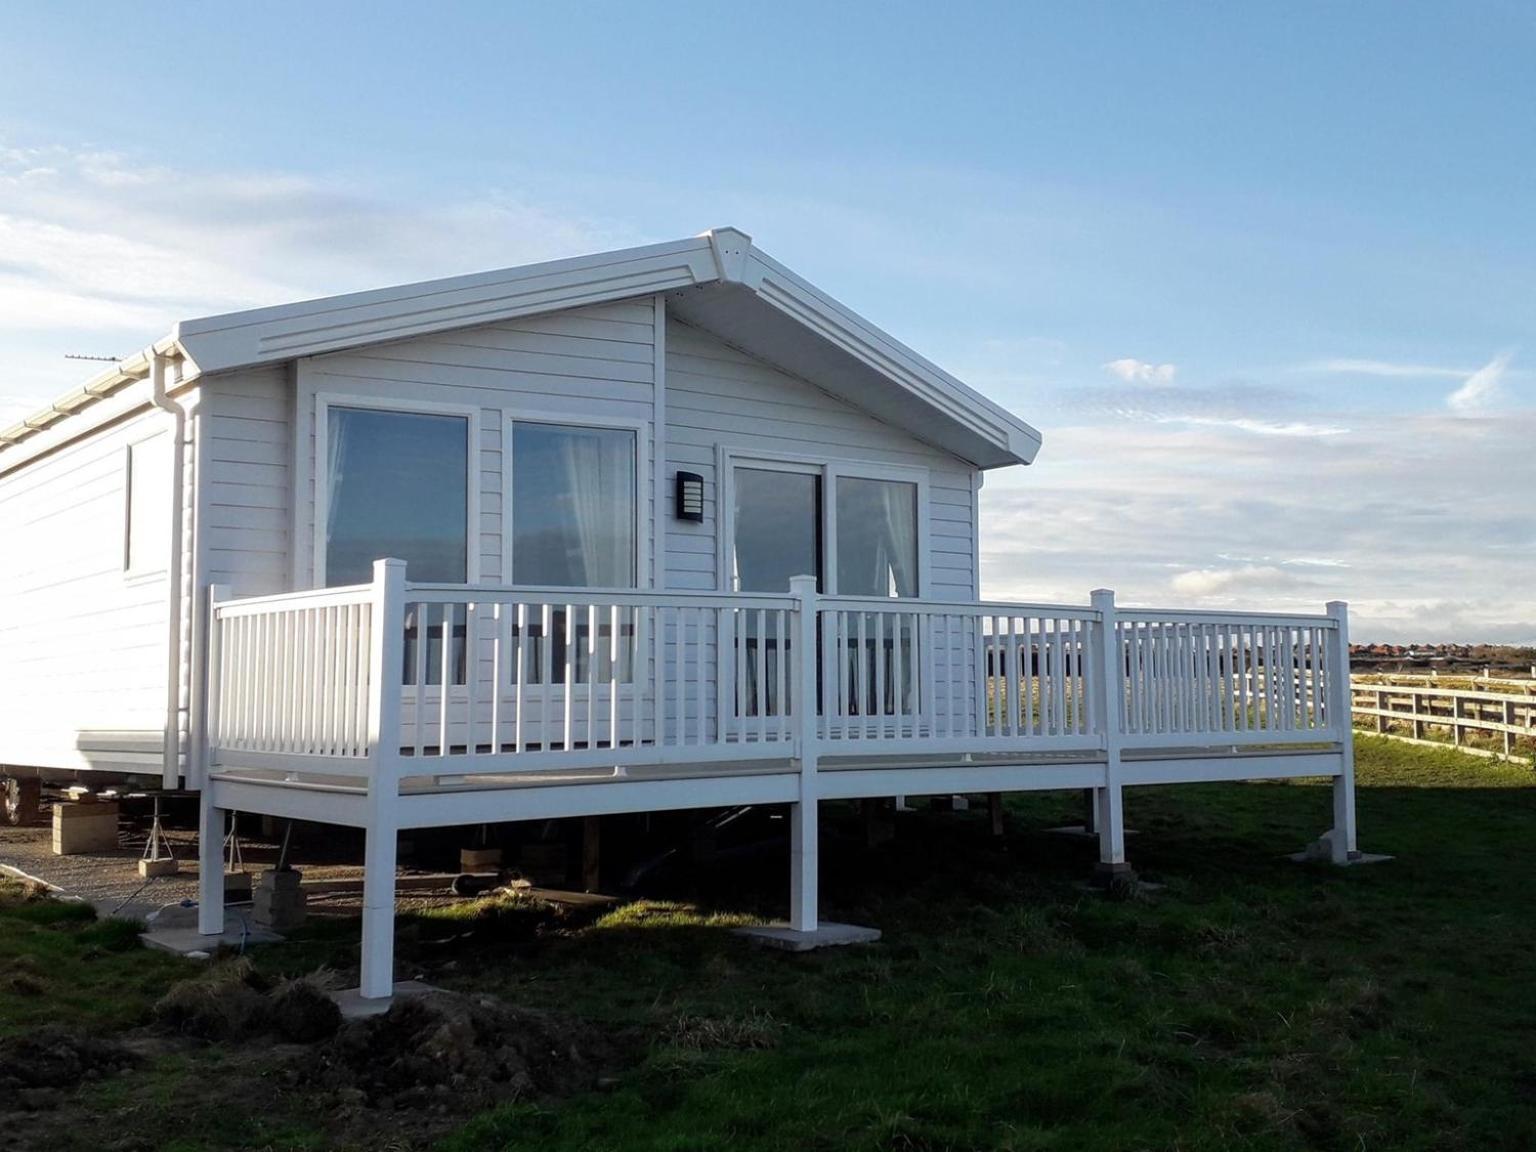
(690, 496)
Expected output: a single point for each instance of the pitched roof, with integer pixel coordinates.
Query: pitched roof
(719, 281)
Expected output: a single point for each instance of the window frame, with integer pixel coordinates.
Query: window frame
(831, 470)
(643, 495)
(157, 567)
(325, 401)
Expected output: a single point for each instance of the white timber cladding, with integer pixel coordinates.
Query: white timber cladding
(83, 674)
(724, 404)
(588, 365)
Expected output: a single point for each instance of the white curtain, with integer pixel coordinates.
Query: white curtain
(592, 560)
(336, 458)
(899, 540)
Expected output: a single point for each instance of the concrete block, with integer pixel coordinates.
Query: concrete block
(87, 826)
(237, 887)
(479, 859)
(165, 866)
(278, 900)
(786, 939)
(353, 1006)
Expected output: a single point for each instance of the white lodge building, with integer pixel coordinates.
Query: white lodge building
(658, 528)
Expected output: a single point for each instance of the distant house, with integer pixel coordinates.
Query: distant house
(659, 528)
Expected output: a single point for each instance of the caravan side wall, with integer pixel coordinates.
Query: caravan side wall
(84, 597)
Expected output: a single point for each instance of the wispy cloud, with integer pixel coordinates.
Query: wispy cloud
(1206, 582)
(1134, 371)
(102, 252)
(1483, 388)
(1263, 427)
(1247, 408)
(1206, 515)
(1386, 368)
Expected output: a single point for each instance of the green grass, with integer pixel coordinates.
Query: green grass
(58, 962)
(1250, 1004)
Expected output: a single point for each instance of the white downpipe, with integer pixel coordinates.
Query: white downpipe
(170, 773)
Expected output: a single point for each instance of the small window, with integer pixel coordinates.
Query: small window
(147, 508)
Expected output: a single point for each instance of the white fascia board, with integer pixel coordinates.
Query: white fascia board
(241, 339)
(846, 329)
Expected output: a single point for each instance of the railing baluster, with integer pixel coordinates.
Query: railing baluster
(782, 655)
(613, 676)
(702, 719)
(592, 650)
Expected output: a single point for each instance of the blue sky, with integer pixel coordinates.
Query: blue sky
(1265, 276)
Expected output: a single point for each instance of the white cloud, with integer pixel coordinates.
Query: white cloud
(1134, 371)
(1390, 519)
(1484, 388)
(1209, 582)
(100, 254)
(1262, 427)
(1385, 368)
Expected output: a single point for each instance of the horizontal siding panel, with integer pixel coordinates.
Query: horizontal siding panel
(717, 395)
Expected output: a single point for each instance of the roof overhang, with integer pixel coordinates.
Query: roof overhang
(718, 281)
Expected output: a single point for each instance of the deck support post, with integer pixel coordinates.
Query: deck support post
(1092, 799)
(1109, 801)
(803, 815)
(1342, 843)
(210, 864)
(386, 658)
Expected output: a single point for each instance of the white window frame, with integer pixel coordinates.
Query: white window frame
(830, 471)
(156, 567)
(644, 493)
(325, 401)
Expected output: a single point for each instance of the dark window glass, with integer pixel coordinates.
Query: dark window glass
(398, 488)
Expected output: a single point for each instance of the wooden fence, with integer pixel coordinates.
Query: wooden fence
(1475, 720)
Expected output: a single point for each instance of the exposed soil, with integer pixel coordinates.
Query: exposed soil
(35, 1067)
(401, 1079)
(444, 1055)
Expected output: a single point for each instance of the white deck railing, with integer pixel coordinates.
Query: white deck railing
(458, 681)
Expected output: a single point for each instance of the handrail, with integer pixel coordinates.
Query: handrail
(470, 679)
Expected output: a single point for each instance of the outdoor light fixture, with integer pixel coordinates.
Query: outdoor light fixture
(690, 496)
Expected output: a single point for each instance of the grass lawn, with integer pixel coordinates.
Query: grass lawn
(1250, 1003)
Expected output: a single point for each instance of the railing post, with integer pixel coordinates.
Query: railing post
(1342, 843)
(1109, 687)
(803, 826)
(210, 686)
(385, 665)
(210, 828)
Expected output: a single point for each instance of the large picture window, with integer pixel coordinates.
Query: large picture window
(397, 485)
(573, 506)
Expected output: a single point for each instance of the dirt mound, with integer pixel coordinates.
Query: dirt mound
(36, 1066)
(232, 1001)
(455, 1053)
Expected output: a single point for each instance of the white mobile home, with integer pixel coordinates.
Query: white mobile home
(659, 528)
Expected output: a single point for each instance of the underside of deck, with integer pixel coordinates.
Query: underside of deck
(445, 799)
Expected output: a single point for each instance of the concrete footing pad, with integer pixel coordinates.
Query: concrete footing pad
(185, 940)
(1081, 832)
(1311, 857)
(786, 939)
(353, 1006)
